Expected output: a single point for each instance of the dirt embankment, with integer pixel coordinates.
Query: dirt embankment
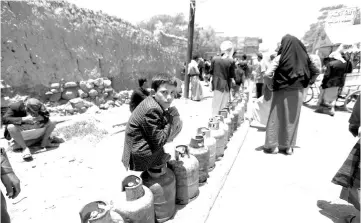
(46, 41)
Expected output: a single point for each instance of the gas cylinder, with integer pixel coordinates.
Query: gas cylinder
(210, 143)
(186, 171)
(238, 110)
(197, 149)
(225, 127)
(219, 134)
(100, 212)
(161, 181)
(230, 115)
(227, 121)
(235, 115)
(135, 202)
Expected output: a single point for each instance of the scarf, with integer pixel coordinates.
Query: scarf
(293, 64)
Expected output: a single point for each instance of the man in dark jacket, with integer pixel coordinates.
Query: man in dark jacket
(151, 125)
(139, 94)
(333, 81)
(27, 122)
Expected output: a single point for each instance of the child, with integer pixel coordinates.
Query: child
(151, 125)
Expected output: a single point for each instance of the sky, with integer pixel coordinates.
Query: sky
(267, 19)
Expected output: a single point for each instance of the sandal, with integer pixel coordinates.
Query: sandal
(27, 155)
(347, 219)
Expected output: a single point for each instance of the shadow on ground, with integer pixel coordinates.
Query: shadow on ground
(335, 211)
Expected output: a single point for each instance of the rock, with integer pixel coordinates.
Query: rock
(90, 81)
(49, 93)
(83, 86)
(117, 103)
(69, 93)
(83, 109)
(108, 89)
(116, 95)
(82, 94)
(93, 93)
(104, 106)
(70, 84)
(107, 83)
(92, 110)
(106, 94)
(99, 90)
(55, 97)
(99, 82)
(77, 103)
(54, 91)
(127, 101)
(101, 87)
(55, 85)
(110, 102)
(99, 100)
(89, 86)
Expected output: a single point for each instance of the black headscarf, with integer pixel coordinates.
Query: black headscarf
(293, 64)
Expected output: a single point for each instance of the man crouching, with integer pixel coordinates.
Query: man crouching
(27, 122)
(151, 125)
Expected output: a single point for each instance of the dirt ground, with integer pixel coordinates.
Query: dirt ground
(58, 182)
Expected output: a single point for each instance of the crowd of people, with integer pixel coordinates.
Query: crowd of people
(280, 88)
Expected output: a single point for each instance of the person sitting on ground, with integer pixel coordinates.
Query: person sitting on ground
(27, 123)
(151, 125)
(139, 94)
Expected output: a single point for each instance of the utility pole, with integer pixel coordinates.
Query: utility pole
(190, 45)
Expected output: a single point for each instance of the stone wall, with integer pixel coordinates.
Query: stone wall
(45, 42)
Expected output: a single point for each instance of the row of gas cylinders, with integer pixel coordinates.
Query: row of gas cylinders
(153, 197)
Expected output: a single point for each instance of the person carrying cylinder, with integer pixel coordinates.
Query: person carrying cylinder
(152, 124)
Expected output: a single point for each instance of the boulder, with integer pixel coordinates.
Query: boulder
(99, 82)
(93, 93)
(117, 103)
(116, 95)
(55, 85)
(69, 93)
(54, 91)
(105, 94)
(83, 109)
(83, 86)
(90, 81)
(55, 97)
(89, 86)
(77, 103)
(70, 84)
(101, 86)
(82, 94)
(108, 89)
(107, 83)
(110, 102)
(49, 93)
(127, 101)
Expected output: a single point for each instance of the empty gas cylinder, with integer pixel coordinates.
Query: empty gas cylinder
(238, 110)
(227, 121)
(197, 148)
(219, 134)
(161, 181)
(135, 203)
(235, 115)
(211, 144)
(225, 128)
(229, 108)
(186, 171)
(99, 212)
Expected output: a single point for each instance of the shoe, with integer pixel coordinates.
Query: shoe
(289, 151)
(27, 155)
(271, 151)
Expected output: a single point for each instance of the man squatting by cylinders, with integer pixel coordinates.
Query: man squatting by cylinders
(152, 124)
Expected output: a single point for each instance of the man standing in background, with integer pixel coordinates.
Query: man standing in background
(222, 72)
(260, 68)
